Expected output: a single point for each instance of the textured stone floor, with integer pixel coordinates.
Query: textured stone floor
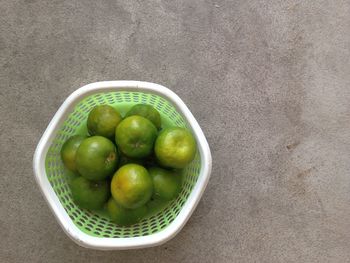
(268, 81)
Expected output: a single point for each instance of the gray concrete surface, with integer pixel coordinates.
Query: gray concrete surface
(268, 81)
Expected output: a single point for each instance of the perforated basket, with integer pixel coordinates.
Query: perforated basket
(95, 230)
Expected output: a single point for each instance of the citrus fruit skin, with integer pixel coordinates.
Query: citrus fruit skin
(96, 158)
(89, 194)
(69, 150)
(132, 186)
(156, 205)
(123, 216)
(102, 120)
(166, 184)
(146, 111)
(135, 136)
(175, 147)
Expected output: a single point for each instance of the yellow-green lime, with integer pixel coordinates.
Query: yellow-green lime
(175, 147)
(135, 136)
(132, 186)
(102, 120)
(69, 150)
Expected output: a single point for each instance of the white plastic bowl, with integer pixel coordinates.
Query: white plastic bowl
(107, 243)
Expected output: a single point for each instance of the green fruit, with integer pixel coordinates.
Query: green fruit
(146, 111)
(175, 147)
(135, 136)
(123, 216)
(103, 120)
(166, 184)
(131, 186)
(154, 206)
(69, 150)
(96, 158)
(89, 194)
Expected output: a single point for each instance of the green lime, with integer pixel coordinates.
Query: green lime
(175, 147)
(96, 158)
(131, 186)
(156, 205)
(166, 184)
(135, 136)
(146, 111)
(103, 120)
(89, 194)
(69, 150)
(123, 216)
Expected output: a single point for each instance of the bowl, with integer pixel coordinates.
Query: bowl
(93, 229)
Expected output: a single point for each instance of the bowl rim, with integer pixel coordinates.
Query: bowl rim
(104, 243)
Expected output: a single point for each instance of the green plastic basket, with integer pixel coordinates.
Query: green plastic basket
(71, 120)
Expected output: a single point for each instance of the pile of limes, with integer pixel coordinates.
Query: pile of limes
(126, 165)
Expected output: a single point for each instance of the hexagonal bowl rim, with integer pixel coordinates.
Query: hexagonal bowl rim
(56, 207)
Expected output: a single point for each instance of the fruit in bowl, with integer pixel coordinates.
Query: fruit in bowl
(123, 216)
(135, 136)
(166, 184)
(175, 147)
(124, 165)
(69, 152)
(103, 120)
(132, 186)
(89, 194)
(96, 158)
